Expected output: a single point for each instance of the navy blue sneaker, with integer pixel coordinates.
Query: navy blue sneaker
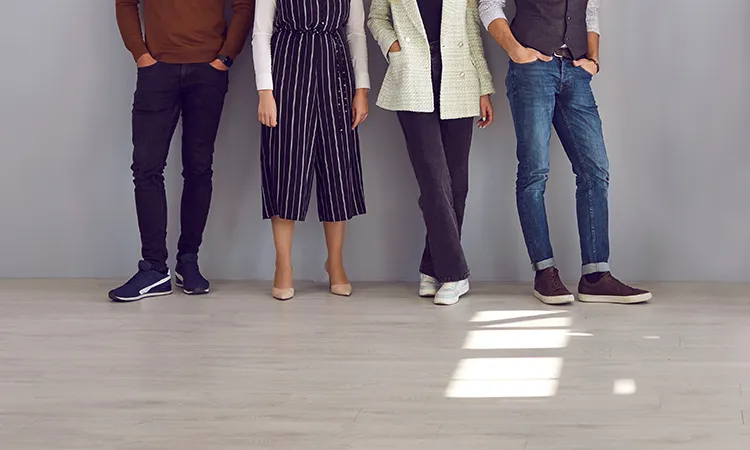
(148, 282)
(188, 276)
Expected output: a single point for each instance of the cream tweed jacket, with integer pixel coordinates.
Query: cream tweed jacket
(407, 85)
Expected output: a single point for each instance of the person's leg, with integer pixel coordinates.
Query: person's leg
(445, 258)
(456, 135)
(156, 111)
(204, 90)
(287, 150)
(532, 89)
(283, 234)
(340, 189)
(335, 233)
(579, 126)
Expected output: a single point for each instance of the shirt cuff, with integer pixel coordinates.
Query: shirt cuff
(362, 80)
(488, 17)
(264, 81)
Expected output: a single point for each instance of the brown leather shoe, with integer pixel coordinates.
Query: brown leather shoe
(610, 290)
(549, 289)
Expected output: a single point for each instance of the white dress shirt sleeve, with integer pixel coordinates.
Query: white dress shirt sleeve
(491, 10)
(265, 13)
(355, 35)
(592, 16)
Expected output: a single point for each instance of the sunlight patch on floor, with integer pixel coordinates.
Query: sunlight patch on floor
(511, 377)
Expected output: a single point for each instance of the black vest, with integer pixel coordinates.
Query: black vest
(546, 25)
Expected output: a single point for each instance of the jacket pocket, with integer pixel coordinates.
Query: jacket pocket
(393, 82)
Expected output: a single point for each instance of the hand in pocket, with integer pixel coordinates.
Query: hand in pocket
(219, 65)
(527, 55)
(587, 65)
(146, 60)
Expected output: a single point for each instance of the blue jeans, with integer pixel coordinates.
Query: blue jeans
(556, 93)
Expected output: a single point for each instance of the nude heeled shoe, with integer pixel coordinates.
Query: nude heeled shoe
(282, 294)
(342, 290)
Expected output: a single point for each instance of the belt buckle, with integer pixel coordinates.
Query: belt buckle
(563, 53)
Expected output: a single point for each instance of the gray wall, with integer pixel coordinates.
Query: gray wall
(673, 93)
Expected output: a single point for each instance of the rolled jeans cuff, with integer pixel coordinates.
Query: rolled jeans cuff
(594, 268)
(541, 265)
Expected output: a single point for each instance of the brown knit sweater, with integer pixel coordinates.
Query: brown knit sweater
(184, 31)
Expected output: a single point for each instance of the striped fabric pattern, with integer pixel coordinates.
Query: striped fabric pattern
(407, 85)
(314, 87)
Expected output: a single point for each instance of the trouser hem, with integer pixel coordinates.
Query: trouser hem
(588, 269)
(544, 264)
(445, 279)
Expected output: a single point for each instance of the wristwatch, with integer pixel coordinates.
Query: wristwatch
(225, 59)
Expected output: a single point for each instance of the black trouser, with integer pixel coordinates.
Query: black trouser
(162, 93)
(439, 153)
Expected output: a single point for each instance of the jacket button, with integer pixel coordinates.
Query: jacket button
(408, 39)
(461, 74)
(460, 44)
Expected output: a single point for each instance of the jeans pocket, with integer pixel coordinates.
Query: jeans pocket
(525, 64)
(585, 72)
(215, 69)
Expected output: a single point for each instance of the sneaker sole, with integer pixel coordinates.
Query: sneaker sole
(555, 300)
(463, 291)
(626, 300)
(140, 297)
(427, 293)
(179, 283)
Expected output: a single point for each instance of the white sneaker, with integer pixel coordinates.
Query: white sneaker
(449, 293)
(428, 286)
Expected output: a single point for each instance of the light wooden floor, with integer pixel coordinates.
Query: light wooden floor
(383, 370)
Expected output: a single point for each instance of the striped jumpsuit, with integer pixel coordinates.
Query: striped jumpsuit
(314, 86)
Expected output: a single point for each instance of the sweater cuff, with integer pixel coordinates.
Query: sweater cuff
(139, 50)
(226, 51)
